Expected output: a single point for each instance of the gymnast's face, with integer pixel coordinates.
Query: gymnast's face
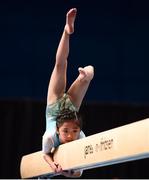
(68, 131)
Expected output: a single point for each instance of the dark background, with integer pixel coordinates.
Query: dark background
(111, 35)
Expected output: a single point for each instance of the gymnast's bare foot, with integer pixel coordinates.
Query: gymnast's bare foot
(86, 73)
(70, 19)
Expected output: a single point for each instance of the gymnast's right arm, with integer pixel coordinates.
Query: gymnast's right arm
(54, 166)
(47, 146)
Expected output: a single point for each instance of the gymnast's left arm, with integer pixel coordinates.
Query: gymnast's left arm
(72, 173)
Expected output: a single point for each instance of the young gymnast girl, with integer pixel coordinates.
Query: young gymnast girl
(62, 121)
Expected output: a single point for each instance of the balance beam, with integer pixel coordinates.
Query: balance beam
(126, 143)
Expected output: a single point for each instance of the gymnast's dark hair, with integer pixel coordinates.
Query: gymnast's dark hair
(67, 115)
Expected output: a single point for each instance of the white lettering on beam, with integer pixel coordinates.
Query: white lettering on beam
(103, 145)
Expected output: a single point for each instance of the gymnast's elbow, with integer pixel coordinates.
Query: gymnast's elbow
(77, 174)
